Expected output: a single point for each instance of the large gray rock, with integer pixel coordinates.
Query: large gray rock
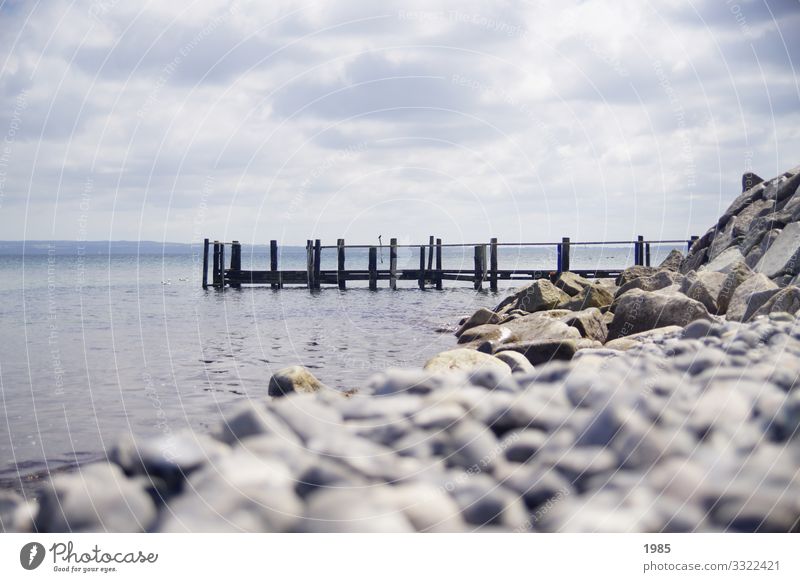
(758, 228)
(463, 359)
(749, 180)
(705, 287)
(725, 261)
(482, 316)
(487, 332)
(589, 322)
(293, 379)
(745, 199)
(756, 253)
(786, 300)
(97, 498)
(723, 239)
(638, 311)
(543, 351)
(744, 220)
(635, 272)
(540, 296)
(782, 257)
(703, 242)
(571, 284)
(538, 327)
(694, 260)
(738, 274)
(654, 282)
(509, 301)
(749, 296)
(591, 296)
(672, 262)
(787, 188)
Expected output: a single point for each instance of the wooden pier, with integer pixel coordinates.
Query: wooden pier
(431, 271)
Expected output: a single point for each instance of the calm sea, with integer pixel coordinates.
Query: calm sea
(99, 345)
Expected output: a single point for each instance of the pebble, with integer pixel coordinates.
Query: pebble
(16, 514)
(170, 458)
(690, 431)
(96, 498)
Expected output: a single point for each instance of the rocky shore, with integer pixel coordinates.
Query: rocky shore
(664, 400)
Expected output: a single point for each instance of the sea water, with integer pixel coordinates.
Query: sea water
(102, 344)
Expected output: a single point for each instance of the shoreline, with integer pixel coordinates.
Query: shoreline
(666, 401)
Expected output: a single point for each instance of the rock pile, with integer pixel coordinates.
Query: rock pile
(694, 430)
(747, 265)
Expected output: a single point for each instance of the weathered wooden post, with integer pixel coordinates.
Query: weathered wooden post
(310, 263)
(493, 265)
(205, 263)
(564, 252)
(647, 254)
(438, 264)
(222, 265)
(430, 258)
(638, 254)
(215, 266)
(236, 260)
(341, 276)
(393, 263)
(421, 281)
(692, 240)
(317, 262)
(480, 266)
(373, 269)
(273, 263)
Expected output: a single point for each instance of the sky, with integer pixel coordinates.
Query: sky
(525, 120)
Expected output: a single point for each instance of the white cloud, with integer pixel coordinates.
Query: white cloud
(516, 119)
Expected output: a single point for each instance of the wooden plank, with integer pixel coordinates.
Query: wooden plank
(273, 261)
(269, 277)
(565, 254)
(647, 254)
(373, 269)
(421, 280)
(205, 263)
(341, 277)
(317, 262)
(310, 263)
(393, 264)
(438, 275)
(493, 265)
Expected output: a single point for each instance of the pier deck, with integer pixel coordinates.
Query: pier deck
(431, 271)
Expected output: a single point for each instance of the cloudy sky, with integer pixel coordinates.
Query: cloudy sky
(290, 120)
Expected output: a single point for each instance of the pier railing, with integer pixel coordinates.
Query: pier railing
(431, 271)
